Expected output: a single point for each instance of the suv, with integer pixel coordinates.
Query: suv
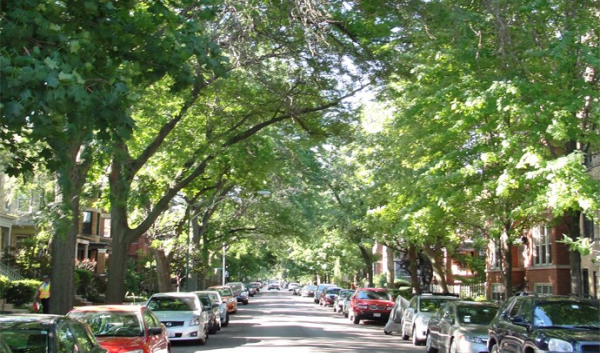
(370, 304)
(553, 323)
(420, 309)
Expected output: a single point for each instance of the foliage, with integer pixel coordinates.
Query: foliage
(83, 281)
(22, 291)
(4, 283)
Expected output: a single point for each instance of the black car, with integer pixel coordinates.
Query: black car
(546, 324)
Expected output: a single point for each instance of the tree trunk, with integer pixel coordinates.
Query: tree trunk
(63, 260)
(437, 266)
(414, 269)
(117, 268)
(571, 220)
(163, 268)
(506, 263)
(368, 259)
(390, 271)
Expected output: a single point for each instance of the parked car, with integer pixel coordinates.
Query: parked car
(417, 315)
(328, 296)
(546, 324)
(338, 303)
(308, 291)
(346, 306)
(394, 323)
(370, 304)
(47, 333)
(274, 285)
(125, 328)
(298, 290)
(182, 314)
(320, 288)
(226, 294)
(239, 291)
(293, 286)
(212, 311)
(253, 288)
(460, 327)
(219, 303)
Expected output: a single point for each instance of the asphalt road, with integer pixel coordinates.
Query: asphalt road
(280, 322)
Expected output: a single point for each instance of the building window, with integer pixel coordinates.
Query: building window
(495, 256)
(497, 291)
(86, 227)
(543, 288)
(542, 242)
(590, 228)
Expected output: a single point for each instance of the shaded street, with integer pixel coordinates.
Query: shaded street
(280, 322)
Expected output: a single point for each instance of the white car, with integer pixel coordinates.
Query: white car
(182, 314)
(292, 286)
(416, 317)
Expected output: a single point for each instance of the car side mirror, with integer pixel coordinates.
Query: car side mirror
(153, 331)
(216, 305)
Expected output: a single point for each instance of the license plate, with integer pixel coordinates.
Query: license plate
(376, 314)
(171, 334)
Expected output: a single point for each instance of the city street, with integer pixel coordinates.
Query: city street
(279, 322)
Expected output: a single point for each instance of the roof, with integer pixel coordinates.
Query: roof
(45, 319)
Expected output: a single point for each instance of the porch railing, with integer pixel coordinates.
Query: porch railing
(10, 273)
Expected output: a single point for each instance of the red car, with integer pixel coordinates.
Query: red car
(125, 328)
(370, 304)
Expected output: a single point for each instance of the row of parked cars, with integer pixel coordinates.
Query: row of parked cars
(525, 323)
(147, 328)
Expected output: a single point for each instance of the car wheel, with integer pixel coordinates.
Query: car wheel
(202, 341)
(415, 341)
(387, 333)
(224, 324)
(404, 333)
(213, 329)
(334, 309)
(428, 344)
(356, 320)
(346, 315)
(494, 349)
(246, 302)
(234, 312)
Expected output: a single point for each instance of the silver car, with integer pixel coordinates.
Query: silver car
(182, 314)
(416, 317)
(460, 327)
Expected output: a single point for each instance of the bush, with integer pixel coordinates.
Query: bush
(21, 292)
(4, 282)
(83, 281)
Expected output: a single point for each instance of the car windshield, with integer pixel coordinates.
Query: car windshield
(333, 290)
(374, 295)
(311, 287)
(346, 293)
(432, 304)
(476, 314)
(111, 323)
(567, 313)
(224, 292)
(25, 336)
(171, 304)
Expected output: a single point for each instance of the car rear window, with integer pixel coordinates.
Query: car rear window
(374, 295)
(25, 337)
(432, 304)
(567, 314)
(111, 323)
(171, 304)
